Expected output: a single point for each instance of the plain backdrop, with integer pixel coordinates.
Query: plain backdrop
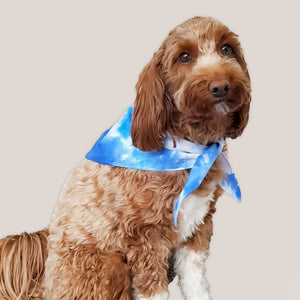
(68, 71)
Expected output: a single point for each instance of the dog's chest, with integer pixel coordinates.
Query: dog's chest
(192, 212)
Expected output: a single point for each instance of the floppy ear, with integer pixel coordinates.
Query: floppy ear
(150, 114)
(240, 119)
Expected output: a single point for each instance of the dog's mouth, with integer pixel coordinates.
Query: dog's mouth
(222, 107)
(197, 102)
(220, 100)
(226, 105)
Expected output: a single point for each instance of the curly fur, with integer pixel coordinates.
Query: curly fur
(112, 235)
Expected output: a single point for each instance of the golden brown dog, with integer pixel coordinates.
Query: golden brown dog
(112, 235)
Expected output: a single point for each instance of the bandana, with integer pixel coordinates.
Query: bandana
(115, 148)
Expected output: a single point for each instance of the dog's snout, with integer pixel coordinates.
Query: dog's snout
(219, 89)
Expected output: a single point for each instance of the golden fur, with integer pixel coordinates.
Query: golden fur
(22, 263)
(112, 235)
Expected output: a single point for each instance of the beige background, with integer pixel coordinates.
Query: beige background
(68, 71)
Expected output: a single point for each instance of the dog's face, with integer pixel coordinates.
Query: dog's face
(196, 86)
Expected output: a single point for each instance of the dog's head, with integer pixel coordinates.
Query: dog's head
(196, 86)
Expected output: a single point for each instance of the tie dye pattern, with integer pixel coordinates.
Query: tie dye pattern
(115, 148)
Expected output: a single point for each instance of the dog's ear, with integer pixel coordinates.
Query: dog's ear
(150, 116)
(240, 119)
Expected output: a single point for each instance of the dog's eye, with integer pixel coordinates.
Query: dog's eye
(227, 50)
(185, 57)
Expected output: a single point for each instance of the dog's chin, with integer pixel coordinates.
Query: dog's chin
(227, 105)
(206, 120)
(221, 106)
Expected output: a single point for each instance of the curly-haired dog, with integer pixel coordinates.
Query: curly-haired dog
(112, 235)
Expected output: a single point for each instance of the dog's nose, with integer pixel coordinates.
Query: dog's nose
(219, 89)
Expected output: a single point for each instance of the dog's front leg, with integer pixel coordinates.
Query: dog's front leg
(190, 267)
(148, 262)
(190, 260)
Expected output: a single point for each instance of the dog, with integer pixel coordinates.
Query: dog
(113, 235)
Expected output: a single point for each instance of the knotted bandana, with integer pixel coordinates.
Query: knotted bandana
(115, 148)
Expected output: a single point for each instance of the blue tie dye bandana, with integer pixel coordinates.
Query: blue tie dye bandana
(115, 148)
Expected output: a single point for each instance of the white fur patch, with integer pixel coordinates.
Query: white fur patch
(222, 108)
(207, 60)
(192, 212)
(161, 296)
(207, 47)
(190, 267)
(178, 95)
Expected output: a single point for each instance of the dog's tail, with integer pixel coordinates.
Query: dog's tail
(22, 262)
